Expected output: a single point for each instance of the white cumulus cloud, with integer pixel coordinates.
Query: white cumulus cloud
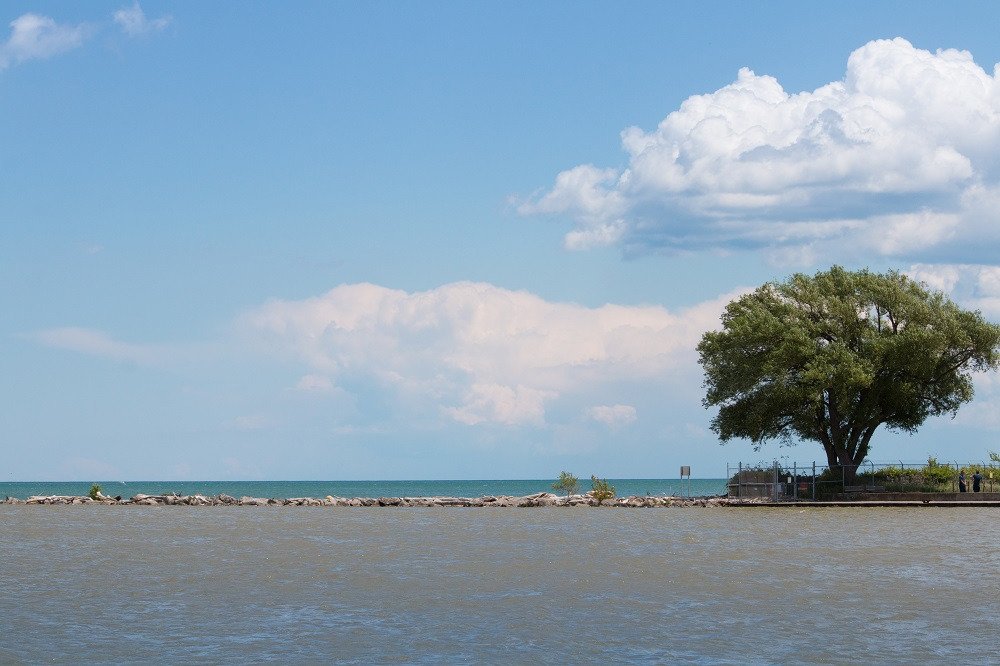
(612, 415)
(899, 158)
(314, 384)
(974, 286)
(507, 405)
(134, 22)
(477, 353)
(35, 37)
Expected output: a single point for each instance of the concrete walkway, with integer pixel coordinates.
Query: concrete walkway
(871, 503)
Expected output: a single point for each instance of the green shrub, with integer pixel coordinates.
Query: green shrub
(95, 490)
(567, 483)
(933, 477)
(601, 490)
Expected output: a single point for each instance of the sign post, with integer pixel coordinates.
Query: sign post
(686, 472)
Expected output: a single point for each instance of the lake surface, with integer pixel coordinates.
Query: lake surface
(113, 584)
(419, 488)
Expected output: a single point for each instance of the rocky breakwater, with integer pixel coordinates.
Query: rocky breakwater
(536, 500)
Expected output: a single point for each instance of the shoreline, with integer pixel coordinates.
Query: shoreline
(499, 501)
(502, 501)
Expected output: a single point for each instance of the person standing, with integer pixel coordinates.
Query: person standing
(977, 480)
(961, 481)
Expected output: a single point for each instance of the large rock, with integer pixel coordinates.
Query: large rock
(538, 499)
(52, 499)
(451, 501)
(252, 501)
(157, 499)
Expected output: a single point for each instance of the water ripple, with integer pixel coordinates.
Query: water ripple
(243, 584)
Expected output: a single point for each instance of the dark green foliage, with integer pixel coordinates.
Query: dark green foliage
(95, 490)
(760, 473)
(831, 357)
(933, 477)
(601, 490)
(567, 483)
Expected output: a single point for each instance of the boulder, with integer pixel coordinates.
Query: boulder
(500, 501)
(450, 501)
(50, 499)
(158, 499)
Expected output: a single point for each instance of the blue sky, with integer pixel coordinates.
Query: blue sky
(458, 240)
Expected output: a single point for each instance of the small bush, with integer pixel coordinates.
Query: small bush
(601, 490)
(567, 483)
(95, 490)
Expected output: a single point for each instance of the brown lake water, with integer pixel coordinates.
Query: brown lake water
(105, 584)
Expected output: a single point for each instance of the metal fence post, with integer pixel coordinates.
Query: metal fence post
(814, 480)
(739, 481)
(795, 480)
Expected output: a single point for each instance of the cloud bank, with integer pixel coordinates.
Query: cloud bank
(974, 286)
(476, 353)
(466, 354)
(898, 159)
(613, 416)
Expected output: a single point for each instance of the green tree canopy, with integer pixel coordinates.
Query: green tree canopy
(567, 483)
(831, 357)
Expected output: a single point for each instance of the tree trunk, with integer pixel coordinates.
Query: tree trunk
(837, 457)
(847, 452)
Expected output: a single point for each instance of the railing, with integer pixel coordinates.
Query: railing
(796, 481)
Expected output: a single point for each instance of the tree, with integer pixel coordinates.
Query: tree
(567, 483)
(832, 357)
(600, 489)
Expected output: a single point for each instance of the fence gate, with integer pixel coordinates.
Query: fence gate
(773, 482)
